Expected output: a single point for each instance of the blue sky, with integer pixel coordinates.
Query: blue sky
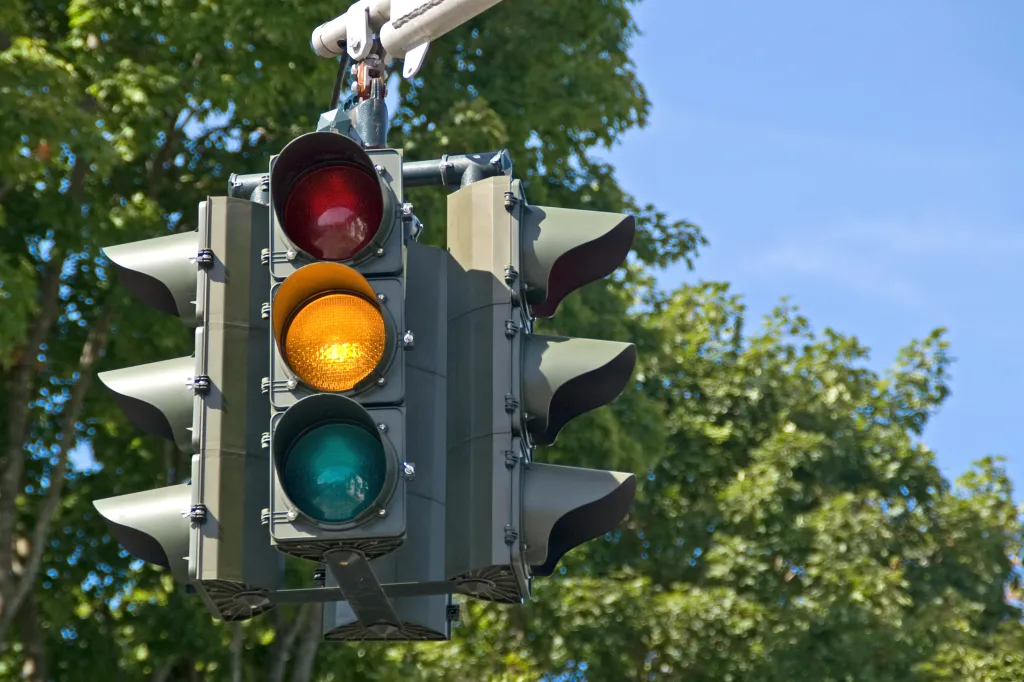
(866, 159)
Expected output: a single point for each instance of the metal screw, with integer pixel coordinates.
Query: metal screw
(292, 514)
(290, 254)
(379, 168)
(382, 298)
(380, 251)
(409, 470)
(409, 340)
(382, 427)
(381, 381)
(382, 512)
(407, 210)
(292, 384)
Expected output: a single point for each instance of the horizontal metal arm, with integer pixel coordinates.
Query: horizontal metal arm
(392, 590)
(456, 171)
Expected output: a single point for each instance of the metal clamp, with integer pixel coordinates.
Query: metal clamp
(443, 167)
(204, 259)
(198, 384)
(197, 513)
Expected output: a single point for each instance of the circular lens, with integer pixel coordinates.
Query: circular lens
(334, 472)
(334, 212)
(335, 341)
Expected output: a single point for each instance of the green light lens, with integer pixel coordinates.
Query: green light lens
(334, 472)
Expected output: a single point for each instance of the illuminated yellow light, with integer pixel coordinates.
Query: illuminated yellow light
(335, 341)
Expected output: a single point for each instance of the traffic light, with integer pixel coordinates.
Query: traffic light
(509, 518)
(208, 531)
(336, 382)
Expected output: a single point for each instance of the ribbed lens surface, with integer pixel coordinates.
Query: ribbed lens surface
(333, 213)
(335, 472)
(335, 341)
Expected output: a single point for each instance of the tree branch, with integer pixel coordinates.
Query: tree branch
(163, 673)
(306, 657)
(95, 343)
(237, 648)
(35, 666)
(19, 390)
(164, 153)
(286, 640)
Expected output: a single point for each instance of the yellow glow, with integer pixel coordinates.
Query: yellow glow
(335, 341)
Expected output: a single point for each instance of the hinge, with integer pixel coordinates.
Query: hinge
(204, 258)
(199, 384)
(511, 275)
(197, 514)
(510, 534)
(265, 385)
(265, 256)
(265, 311)
(265, 439)
(510, 201)
(511, 459)
(510, 328)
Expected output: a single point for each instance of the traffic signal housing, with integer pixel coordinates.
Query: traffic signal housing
(336, 371)
(510, 518)
(208, 531)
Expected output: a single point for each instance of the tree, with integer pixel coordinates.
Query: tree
(790, 524)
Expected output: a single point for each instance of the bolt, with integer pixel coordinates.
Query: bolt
(382, 427)
(380, 252)
(292, 384)
(409, 340)
(290, 254)
(379, 168)
(292, 514)
(381, 381)
(409, 470)
(382, 512)
(406, 210)
(382, 298)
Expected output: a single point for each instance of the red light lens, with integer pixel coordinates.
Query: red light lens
(334, 212)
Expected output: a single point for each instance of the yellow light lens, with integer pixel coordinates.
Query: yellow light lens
(335, 341)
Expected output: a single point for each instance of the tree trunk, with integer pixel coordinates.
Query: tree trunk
(34, 667)
(306, 656)
(237, 648)
(12, 458)
(15, 592)
(286, 634)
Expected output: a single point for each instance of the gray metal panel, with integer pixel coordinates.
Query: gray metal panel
(232, 479)
(426, 307)
(483, 510)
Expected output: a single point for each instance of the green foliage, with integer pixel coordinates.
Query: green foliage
(791, 525)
